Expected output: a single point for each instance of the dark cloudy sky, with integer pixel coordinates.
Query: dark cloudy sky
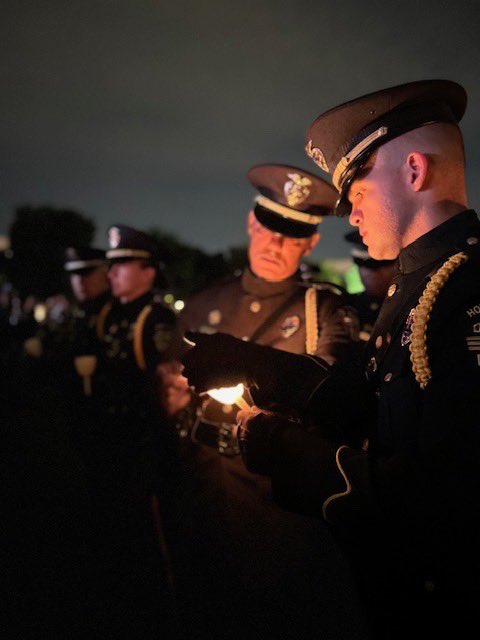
(149, 112)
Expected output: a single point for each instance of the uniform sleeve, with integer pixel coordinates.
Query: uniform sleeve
(338, 327)
(426, 489)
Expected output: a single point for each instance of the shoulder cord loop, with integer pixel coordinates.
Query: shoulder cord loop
(311, 321)
(138, 337)
(418, 344)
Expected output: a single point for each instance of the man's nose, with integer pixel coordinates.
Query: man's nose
(355, 217)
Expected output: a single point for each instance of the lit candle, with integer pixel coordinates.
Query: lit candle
(230, 395)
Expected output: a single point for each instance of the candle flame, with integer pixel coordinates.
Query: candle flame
(227, 395)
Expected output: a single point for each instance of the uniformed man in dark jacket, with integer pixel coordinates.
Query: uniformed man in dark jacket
(376, 276)
(406, 508)
(244, 545)
(132, 458)
(57, 342)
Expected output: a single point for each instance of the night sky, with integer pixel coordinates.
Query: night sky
(150, 113)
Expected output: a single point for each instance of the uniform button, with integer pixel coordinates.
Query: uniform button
(378, 342)
(387, 377)
(214, 316)
(374, 306)
(472, 240)
(255, 306)
(391, 290)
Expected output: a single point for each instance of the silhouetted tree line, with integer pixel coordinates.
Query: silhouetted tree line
(39, 235)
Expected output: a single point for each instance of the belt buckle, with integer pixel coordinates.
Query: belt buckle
(227, 442)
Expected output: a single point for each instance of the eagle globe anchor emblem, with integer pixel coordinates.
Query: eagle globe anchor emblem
(296, 189)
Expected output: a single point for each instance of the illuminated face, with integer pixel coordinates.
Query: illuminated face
(88, 286)
(274, 256)
(380, 208)
(130, 279)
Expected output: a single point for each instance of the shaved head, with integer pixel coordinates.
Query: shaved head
(442, 145)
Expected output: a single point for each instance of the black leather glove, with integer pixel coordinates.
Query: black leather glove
(255, 439)
(276, 379)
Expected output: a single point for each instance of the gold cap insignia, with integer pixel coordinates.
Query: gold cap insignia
(296, 189)
(317, 156)
(114, 237)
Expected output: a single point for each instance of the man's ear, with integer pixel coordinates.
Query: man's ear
(150, 274)
(417, 165)
(251, 221)
(313, 241)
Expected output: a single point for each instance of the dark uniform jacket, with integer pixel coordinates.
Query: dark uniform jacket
(408, 506)
(134, 338)
(269, 561)
(238, 307)
(125, 427)
(367, 307)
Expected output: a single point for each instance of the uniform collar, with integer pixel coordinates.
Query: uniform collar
(440, 241)
(261, 288)
(136, 305)
(92, 306)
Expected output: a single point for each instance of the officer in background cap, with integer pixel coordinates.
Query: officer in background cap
(68, 331)
(376, 276)
(244, 545)
(133, 451)
(87, 268)
(405, 508)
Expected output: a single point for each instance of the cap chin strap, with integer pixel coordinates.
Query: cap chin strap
(286, 212)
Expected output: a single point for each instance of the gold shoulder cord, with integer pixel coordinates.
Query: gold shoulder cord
(311, 321)
(418, 344)
(138, 337)
(101, 319)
